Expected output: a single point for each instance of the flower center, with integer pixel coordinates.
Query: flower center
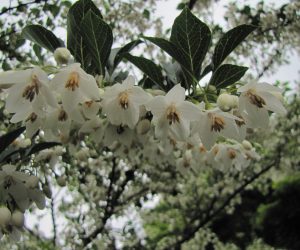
(73, 81)
(62, 116)
(255, 99)
(32, 117)
(32, 89)
(217, 123)
(124, 99)
(88, 104)
(231, 153)
(172, 114)
(241, 122)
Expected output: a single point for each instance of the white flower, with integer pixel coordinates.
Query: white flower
(214, 123)
(75, 86)
(255, 101)
(29, 93)
(172, 114)
(121, 103)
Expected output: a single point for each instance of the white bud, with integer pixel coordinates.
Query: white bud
(247, 145)
(143, 126)
(17, 218)
(62, 55)
(226, 102)
(5, 216)
(61, 181)
(32, 182)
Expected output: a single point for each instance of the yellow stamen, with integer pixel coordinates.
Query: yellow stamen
(32, 89)
(255, 99)
(172, 114)
(124, 99)
(217, 122)
(73, 81)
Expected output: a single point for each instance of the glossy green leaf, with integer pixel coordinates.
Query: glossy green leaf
(229, 41)
(98, 37)
(192, 37)
(42, 37)
(148, 67)
(74, 37)
(125, 49)
(226, 75)
(7, 139)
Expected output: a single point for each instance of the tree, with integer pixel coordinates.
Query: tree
(111, 144)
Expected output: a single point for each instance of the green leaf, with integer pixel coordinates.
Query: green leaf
(8, 138)
(42, 37)
(226, 75)
(98, 37)
(176, 54)
(192, 37)
(125, 49)
(35, 148)
(148, 67)
(229, 41)
(74, 37)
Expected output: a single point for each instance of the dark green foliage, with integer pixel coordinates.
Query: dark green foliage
(238, 227)
(149, 68)
(98, 37)
(229, 41)
(278, 221)
(42, 37)
(75, 40)
(226, 75)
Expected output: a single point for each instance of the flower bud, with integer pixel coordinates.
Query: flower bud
(17, 218)
(247, 145)
(62, 55)
(5, 216)
(61, 181)
(32, 182)
(143, 126)
(226, 102)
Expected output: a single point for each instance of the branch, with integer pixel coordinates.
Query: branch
(21, 5)
(192, 4)
(53, 221)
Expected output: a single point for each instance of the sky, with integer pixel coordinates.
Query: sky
(166, 9)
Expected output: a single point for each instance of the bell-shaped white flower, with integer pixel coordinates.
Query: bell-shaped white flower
(172, 114)
(29, 92)
(75, 86)
(121, 102)
(214, 123)
(255, 101)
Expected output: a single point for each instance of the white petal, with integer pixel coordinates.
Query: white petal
(128, 82)
(157, 106)
(246, 87)
(176, 94)
(70, 99)
(89, 87)
(188, 111)
(21, 76)
(272, 103)
(180, 130)
(256, 117)
(139, 96)
(267, 87)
